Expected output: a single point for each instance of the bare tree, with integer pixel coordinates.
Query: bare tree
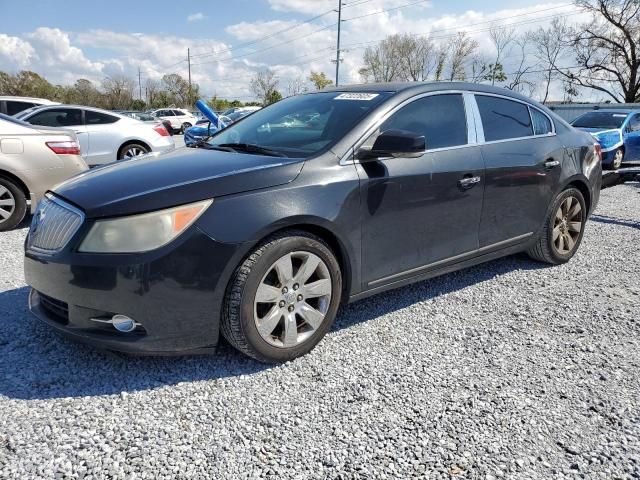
(549, 48)
(441, 61)
(607, 49)
(519, 80)
(265, 85)
(417, 57)
(502, 38)
(296, 86)
(462, 48)
(152, 88)
(118, 92)
(381, 62)
(178, 88)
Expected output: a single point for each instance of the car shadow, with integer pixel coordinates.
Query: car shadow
(615, 221)
(38, 364)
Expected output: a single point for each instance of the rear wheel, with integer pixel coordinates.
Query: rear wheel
(563, 229)
(283, 299)
(13, 204)
(132, 150)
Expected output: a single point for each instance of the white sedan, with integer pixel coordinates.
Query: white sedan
(103, 136)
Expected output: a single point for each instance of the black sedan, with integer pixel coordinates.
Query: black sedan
(263, 232)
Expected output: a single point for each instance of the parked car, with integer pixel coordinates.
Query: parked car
(230, 111)
(103, 136)
(617, 131)
(202, 130)
(266, 231)
(179, 118)
(32, 160)
(15, 105)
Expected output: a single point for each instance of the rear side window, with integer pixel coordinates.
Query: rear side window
(541, 123)
(440, 118)
(179, 113)
(98, 118)
(503, 119)
(57, 117)
(14, 107)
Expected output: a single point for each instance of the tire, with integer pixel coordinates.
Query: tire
(13, 204)
(265, 330)
(132, 150)
(618, 157)
(549, 247)
(184, 126)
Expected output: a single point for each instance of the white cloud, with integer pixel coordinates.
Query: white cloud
(196, 17)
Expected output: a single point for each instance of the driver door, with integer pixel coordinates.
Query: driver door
(632, 139)
(416, 212)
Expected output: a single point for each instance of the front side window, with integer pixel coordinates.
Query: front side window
(634, 123)
(57, 117)
(541, 123)
(503, 119)
(441, 119)
(99, 118)
(300, 126)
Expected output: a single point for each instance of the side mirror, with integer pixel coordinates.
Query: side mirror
(395, 143)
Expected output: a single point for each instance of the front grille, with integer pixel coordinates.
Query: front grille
(53, 225)
(57, 309)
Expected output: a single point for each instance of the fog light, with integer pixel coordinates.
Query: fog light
(124, 324)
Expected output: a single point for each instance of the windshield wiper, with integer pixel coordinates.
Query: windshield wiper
(252, 148)
(207, 146)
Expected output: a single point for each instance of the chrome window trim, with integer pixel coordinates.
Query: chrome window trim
(349, 157)
(475, 127)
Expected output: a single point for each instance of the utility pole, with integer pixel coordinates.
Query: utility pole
(139, 83)
(338, 46)
(189, 62)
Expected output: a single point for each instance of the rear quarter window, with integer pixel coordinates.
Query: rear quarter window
(99, 118)
(541, 123)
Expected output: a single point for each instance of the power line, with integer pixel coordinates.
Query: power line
(384, 11)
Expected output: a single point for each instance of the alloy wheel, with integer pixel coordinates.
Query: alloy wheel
(134, 151)
(617, 159)
(567, 225)
(7, 203)
(292, 299)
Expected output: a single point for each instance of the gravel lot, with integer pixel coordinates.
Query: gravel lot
(506, 370)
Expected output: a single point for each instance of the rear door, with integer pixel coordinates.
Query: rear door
(416, 213)
(69, 118)
(632, 139)
(104, 137)
(523, 159)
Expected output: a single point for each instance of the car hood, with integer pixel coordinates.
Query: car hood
(182, 176)
(608, 138)
(597, 130)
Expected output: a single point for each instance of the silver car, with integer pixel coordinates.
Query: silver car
(32, 161)
(103, 136)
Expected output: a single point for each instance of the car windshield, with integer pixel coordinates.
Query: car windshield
(15, 120)
(600, 120)
(300, 126)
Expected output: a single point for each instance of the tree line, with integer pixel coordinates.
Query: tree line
(601, 55)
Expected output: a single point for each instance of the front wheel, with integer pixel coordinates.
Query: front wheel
(563, 229)
(184, 127)
(617, 159)
(283, 298)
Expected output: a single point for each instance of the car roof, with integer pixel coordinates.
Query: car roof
(78, 107)
(43, 101)
(612, 110)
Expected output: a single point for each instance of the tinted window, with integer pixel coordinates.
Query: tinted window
(541, 123)
(98, 118)
(503, 119)
(165, 113)
(440, 118)
(57, 117)
(178, 113)
(634, 123)
(600, 120)
(17, 107)
(303, 125)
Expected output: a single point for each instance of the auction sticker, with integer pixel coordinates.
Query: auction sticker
(356, 96)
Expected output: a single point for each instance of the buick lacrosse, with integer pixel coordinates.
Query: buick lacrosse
(314, 201)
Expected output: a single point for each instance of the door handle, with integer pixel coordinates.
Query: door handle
(468, 182)
(551, 163)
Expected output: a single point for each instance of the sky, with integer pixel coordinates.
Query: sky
(231, 40)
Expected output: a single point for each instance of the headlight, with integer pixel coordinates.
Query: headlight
(141, 233)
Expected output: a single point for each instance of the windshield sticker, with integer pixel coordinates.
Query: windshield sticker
(356, 96)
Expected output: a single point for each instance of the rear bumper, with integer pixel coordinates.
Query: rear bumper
(175, 296)
(163, 145)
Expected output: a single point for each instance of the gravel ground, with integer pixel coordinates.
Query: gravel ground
(506, 370)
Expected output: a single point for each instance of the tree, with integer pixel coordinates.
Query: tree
(264, 85)
(178, 88)
(462, 48)
(274, 97)
(549, 47)
(519, 79)
(118, 92)
(84, 92)
(607, 49)
(320, 80)
(296, 86)
(381, 62)
(501, 39)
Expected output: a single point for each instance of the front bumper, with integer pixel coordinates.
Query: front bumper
(175, 294)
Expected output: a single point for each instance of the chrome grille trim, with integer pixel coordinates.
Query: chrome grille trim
(54, 223)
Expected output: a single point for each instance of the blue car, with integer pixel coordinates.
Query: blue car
(617, 132)
(204, 128)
